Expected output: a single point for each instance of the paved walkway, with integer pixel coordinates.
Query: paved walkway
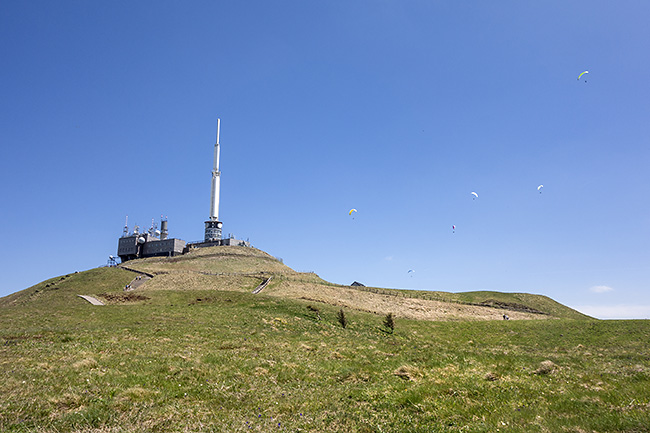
(262, 286)
(137, 282)
(92, 300)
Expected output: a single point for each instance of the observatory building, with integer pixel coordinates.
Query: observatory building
(154, 242)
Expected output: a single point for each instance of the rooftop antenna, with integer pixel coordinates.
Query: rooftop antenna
(125, 232)
(213, 225)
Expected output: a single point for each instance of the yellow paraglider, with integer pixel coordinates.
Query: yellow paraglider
(579, 76)
(351, 210)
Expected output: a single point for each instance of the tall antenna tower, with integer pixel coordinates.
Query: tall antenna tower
(213, 225)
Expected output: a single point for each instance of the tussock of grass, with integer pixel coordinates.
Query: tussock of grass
(546, 367)
(408, 372)
(86, 363)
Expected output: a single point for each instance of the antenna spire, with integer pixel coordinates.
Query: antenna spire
(216, 179)
(213, 226)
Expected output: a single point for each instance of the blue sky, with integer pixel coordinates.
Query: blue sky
(399, 109)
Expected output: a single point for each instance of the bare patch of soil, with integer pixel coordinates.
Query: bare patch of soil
(207, 300)
(123, 298)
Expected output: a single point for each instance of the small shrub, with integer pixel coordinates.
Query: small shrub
(389, 322)
(341, 318)
(314, 310)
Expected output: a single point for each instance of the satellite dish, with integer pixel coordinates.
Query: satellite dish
(157, 232)
(141, 240)
(111, 257)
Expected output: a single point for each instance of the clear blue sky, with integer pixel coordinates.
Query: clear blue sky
(399, 109)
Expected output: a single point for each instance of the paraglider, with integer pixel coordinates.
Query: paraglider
(475, 195)
(539, 188)
(351, 210)
(579, 76)
(453, 228)
(411, 272)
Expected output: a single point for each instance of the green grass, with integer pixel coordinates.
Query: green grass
(240, 362)
(539, 303)
(224, 259)
(239, 268)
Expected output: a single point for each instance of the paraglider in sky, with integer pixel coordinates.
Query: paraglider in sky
(475, 195)
(411, 272)
(539, 188)
(579, 76)
(351, 210)
(453, 228)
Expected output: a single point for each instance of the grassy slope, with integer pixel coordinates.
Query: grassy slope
(244, 268)
(59, 292)
(223, 360)
(240, 362)
(537, 302)
(215, 260)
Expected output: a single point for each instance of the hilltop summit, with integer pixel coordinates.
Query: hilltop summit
(245, 269)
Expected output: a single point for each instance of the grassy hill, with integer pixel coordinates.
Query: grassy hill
(193, 349)
(240, 268)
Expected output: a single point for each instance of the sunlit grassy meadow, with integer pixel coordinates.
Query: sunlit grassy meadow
(228, 361)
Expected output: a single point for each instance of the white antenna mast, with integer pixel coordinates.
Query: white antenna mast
(216, 180)
(213, 225)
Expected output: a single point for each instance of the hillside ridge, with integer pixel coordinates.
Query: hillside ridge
(243, 269)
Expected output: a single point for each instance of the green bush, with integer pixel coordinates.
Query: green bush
(389, 322)
(340, 316)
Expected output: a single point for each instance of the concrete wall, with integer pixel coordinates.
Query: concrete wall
(235, 242)
(167, 247)
(127, 246)
(215, 243)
